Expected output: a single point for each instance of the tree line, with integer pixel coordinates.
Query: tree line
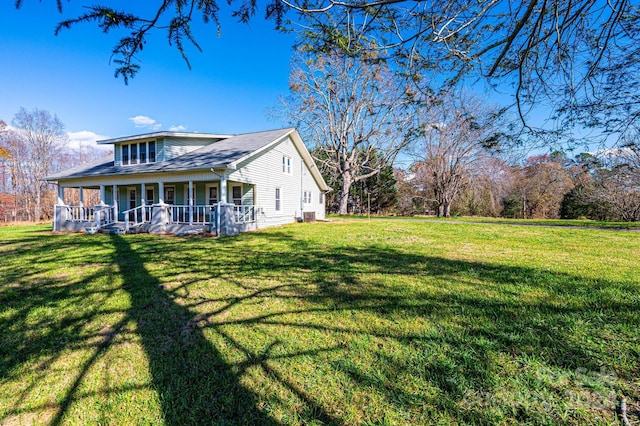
(549, 186)
(603, 186)
(33, 146)
(358, 117)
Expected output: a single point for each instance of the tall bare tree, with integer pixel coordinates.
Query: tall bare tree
(354, 113)
(34, 144)
(4, 156)
(454, 135)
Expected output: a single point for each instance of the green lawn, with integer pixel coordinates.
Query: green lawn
(575, 223)
(356, 322)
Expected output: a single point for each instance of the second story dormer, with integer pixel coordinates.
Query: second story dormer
(157, 147)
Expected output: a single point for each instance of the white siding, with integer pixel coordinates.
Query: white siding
(309, 184)
(265, 170)
(160, 150)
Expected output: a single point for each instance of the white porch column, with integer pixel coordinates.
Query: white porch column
(143, 194)
(102, 195)
(143, 201)
(81, 195)
(223, 188)
(190, 202)
(115, 202)
(161, 192)
(60, 195)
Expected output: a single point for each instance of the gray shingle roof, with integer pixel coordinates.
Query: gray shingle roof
(215, 155)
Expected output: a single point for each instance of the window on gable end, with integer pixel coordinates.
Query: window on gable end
(286, 165)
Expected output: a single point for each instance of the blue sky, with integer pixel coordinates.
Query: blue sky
(232, 84)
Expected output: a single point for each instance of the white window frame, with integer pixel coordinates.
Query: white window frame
(278, 199)
(124, 147)
(141, 151)
(306, 197)
(320, 198)
(155, 151)
(209, 186)
(134, 146)
(130, 147)
(166, 191)
(233, 199)
(286, 164)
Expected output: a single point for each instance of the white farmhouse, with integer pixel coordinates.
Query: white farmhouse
(177, 182)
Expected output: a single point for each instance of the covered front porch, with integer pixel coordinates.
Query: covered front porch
(173, 207)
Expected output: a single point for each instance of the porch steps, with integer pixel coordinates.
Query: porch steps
(119, 228)
(114, 228)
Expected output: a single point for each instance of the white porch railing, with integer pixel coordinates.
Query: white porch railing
(77, 217)
(205, 214)
(192, 215)
(105, 216)
(137, 216)
(224, 219)
(244, 214)
(79, 213)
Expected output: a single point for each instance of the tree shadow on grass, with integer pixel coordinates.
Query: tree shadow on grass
(193, 381)
(195, 384)
(484, 312)
(475, 309)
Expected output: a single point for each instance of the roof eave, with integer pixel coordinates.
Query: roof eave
(163, 134)
(144, 172)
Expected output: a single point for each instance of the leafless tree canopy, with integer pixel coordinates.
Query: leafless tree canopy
(353, 112)
(454, 138)
(31, 146)
(578, 58)
(34, 146)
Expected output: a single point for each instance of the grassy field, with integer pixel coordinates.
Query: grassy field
(573, 223)
(385, 322)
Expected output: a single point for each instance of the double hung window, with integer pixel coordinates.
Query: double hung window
(278, 200)
(286, 165)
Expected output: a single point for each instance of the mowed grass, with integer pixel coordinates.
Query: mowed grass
(383, 322)
(572, 223)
